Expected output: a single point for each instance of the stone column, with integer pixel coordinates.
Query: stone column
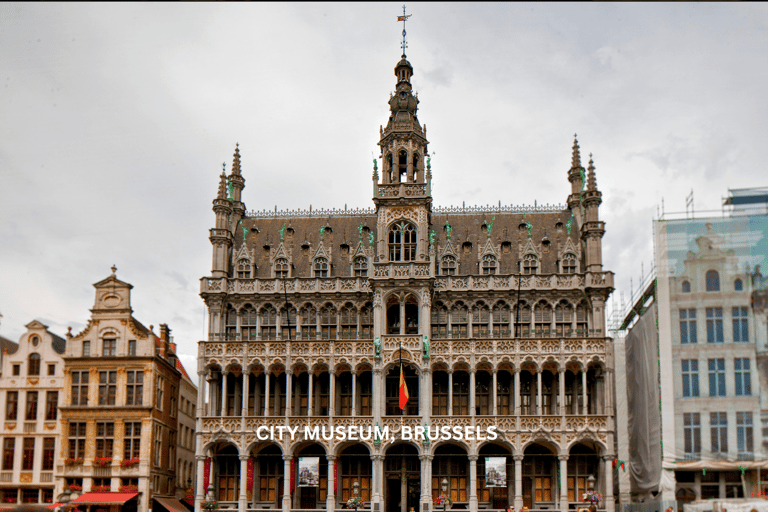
(561, 390)
(376, 394)
(330, 502)
(266, 392)
(472, 391)
(518, 481)
(354, 393)
(608, 495)
(426, 481)
(450, 392)
(246, 388)
(517, 395)
(425, 405)
(494, 410)
(199, 491)
(584, 391)
(310, 408)
(377, 482)
(402, 317)
(224, 393)
(243, 498)
(563, 482)
(286, 483)
(332, 393)
(473, 483)
(539, 408)
(288, 395)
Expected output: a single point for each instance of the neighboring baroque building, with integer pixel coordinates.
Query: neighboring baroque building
(120, 415)
(31, 382)
(496, 314)
(711, 335)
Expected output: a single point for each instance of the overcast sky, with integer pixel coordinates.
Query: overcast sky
(115, 119)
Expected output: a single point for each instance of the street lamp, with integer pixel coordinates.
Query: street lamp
(355, 493)
(591, 482)
(445, 492)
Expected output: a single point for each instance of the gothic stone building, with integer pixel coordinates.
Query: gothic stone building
(495, 314)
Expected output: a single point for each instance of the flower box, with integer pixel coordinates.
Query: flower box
(592, 497)
(443, 501)
(129, 488)
(73, 462)
(75, 487)
(102, 462)
(129, 463)
(210, 505)
(101, 488)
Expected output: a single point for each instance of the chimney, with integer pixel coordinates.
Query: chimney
(165, 335)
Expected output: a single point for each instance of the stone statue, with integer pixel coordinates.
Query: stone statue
(425, 347)
(377, 348)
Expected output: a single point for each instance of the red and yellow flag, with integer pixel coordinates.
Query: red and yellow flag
(401, 18)
(403, 389)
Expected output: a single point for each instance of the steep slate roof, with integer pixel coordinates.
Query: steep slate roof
(6, 344)
(466, 227)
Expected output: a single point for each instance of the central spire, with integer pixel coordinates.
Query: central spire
(404, 18)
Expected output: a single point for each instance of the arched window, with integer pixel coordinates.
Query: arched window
(248, 323)
(243, 269)
(439, 321)
(348, 316)
(34, 364)
(392, 390)
(530, 264)
(402, 242)
(459, 320)
(360, 266)
(268, 322)
(321, 267)
(281, 268)
(569, 263)
(713, 281)
(366, 321)
(328, 320)
(231, 323)
(448, 266)
(542, 319)
(686, 287)
(489, 264)
(563, 319)
(415, 168)
(501, 319)
(481, 319)
(738, 285)
(308, 322)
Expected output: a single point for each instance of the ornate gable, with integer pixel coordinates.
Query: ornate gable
(529, 248)
(243, 254)
(280, 253)
(567, 247)
(489, 248)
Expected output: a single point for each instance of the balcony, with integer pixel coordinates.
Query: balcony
(307, 285)
(526, 282)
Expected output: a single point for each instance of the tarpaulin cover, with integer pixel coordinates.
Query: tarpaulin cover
(105, 498)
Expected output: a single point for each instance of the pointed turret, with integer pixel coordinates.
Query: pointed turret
(576, 158)
(236, 160)
(238, 184)
(222, 187)
(591, 182)
(221, 235)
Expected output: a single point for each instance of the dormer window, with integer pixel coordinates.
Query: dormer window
(360, 266)
(34, 364)
(402, 242)
(738, 285)
(713, 281)
(243, 269)
(281, 268)
(489, 264)
(686, 287)
(110, 347)
(321, 267)
(530, 264)
(569, 264)
(448, 266)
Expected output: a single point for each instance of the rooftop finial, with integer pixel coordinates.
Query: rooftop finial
(114, 269)
(576, 160)
(236, 160)
(222, 186)
(591, 181)
(404, 18)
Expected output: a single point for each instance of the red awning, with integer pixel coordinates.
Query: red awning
(172, 504)
(105, 498)
(52, 507)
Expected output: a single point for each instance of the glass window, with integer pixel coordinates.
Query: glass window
(49, 452)
(448, 266)
(281, 268)
(716, 377)
(489, 264)
(690, 377)
(11, 405)
(134, 393)
(530, 264)
(713, 281)
(31, 412)
(692, 434)
(743, 385)
(77, 440)
(16, 369)
(107, 387)
(110, 347)
(131, 347)
(34, 364)
(361, 266)
(321, 267)
(86, 348)
(51, 369)
(243, 269)
(740, 325)
(738, 285)
(687, 326)
(569, 264)
(718, 424)
(714, 325)
(686, 287)
(80, 387)
(28, 454)
(402, 242)
(132, 440)
(9, 448)
(744, 435)
(105, 438)
(51, 405)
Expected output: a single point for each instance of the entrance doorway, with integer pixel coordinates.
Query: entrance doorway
(403, 479)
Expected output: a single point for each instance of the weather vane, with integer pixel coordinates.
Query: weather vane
(404, 18)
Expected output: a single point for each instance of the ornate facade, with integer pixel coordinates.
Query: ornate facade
(494, 314)
(120, 410)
